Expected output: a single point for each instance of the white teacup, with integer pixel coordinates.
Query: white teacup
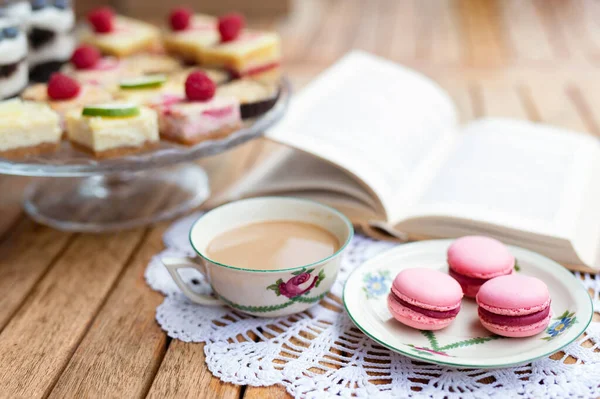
(265, 293)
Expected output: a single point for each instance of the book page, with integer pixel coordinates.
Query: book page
(288, 171)
(378, 121)
(516, 174)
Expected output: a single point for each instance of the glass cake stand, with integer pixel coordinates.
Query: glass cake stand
(77, 192)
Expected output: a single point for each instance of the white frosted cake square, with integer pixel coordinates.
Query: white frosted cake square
(27, 128)
(111, 130)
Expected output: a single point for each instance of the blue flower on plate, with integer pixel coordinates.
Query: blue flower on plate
(376, 284)
(562, 324)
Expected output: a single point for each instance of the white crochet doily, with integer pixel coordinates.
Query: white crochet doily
(320, 353)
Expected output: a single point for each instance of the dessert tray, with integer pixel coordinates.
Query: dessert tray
(465, 343)
(79, 192)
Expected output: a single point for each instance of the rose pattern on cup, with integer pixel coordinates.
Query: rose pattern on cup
(300, 284)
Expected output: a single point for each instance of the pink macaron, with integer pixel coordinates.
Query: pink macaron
(514, 306)
(474, 260)
(424, 299)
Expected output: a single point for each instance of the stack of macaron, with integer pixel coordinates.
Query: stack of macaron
(509, 304)
(474, 260)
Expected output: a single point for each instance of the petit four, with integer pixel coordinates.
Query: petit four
(19, 10)
(200, 115)
(51, 37)
(113, 129)
(151, 63)
(425, 299)
(13, 59)
(255, 97)
(27, 128)
(89, 66)
(245, 53)
(514, 306)
(143, 90)
(473, 260)
(189, 34)
(216, 75)
(119, 36)
(63, 94)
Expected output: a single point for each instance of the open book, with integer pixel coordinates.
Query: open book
(382, 144)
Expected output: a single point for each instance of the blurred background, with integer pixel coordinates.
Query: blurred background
(466, 43)
(537, 60)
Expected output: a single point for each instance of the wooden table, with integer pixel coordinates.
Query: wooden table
(76, 317)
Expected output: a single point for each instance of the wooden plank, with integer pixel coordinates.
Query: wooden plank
(183, 374)
(446, 40)
(402, 21)
(124, 346)
(525, 31)
(461, 93)
(483, 32)
(11, 188)
(577, 20)
(549, 15)
(550, 100)
(303, 28)
(365, 32)
(586, 98)
(37, 343)
(273, 392)
(336, 37)
(502, 99)
(25, 256)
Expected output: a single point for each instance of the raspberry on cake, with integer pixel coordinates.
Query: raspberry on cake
(88, 66)
(27, 128)
(216, 75)
(63, 94)
(252, 54)
(113, 129)
(199, 116)
(189, 34)
(13, 62)
(117, 35)
(51, 37)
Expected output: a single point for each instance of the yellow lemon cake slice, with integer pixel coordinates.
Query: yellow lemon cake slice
(253, 54)
(27, 128)
(189, 34)
(113, 129)
(119, 36)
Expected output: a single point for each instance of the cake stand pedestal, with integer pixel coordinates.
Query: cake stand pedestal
(116, 201)
(78, 193)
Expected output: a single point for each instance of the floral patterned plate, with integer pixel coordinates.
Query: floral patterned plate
(465, 343)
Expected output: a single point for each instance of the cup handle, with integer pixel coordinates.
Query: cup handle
(174, 264)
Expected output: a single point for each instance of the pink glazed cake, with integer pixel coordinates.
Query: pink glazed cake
(198, 116)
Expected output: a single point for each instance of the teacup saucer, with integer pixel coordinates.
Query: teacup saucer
(465, 343)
